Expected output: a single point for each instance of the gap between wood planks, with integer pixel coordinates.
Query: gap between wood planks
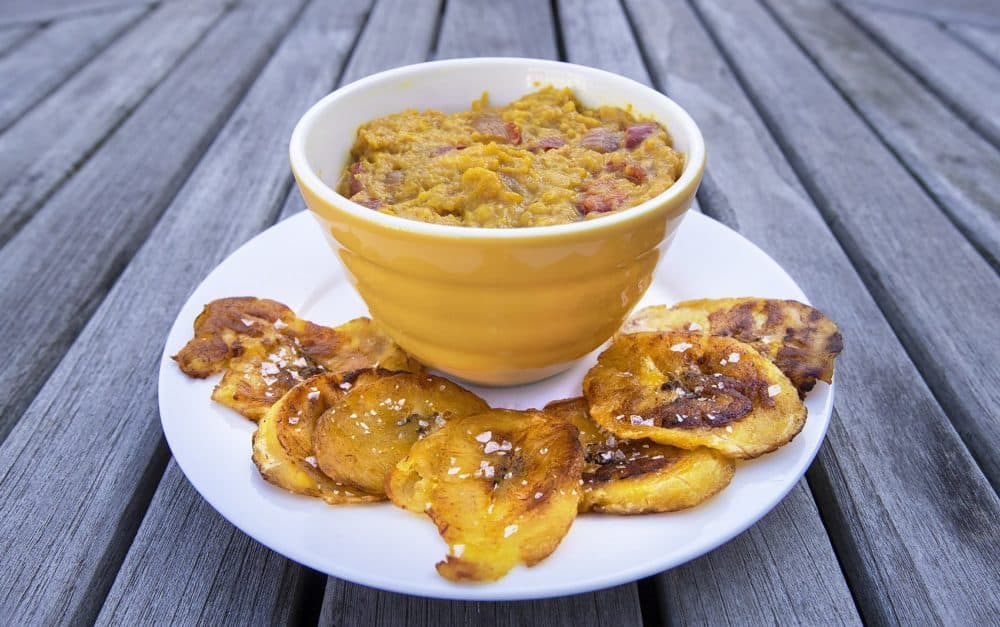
(944, 397)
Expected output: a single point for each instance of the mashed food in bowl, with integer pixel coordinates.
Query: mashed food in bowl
(541, 160)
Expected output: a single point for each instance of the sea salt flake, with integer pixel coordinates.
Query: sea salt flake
(293, 420)
(774, 390)
(268, 368)
(544, 450)
(279, 325)
(734, 357)
(310, 460)
(680, 347)
(509, 530)
(454, 470)
(491, 447)
(457, 550)
(345, 385)
(484, 437)
(694, 326)
(313, 394)
(538, 495)
(247, 322)
(729, 429)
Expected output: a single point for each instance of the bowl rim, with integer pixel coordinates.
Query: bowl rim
(307, 177)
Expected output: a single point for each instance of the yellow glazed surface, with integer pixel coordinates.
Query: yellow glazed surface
(493, 306)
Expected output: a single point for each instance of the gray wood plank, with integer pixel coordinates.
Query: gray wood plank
(884, 213)
(911, 516)
(19, 11)
(952, 160)
(967, 11)
(350, 604)
(70, 531)
(398, 32)
(597, 33)
(958, 74)
(12, 36)
(753, 580)
(79, 240)
(190, 566)
(46, 146)
(985, 41)
(473, 28)
(40, 64)
(784, 566)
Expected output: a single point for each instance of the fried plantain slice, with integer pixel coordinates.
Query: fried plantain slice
(265, 349)
(501, 486)
(691, 390)
(799, 339)
(282, 449)
(640, 476)
(362, 437)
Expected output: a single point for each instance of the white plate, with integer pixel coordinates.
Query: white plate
(388, 548)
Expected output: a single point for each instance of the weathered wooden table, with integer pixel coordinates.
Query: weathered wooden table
(855, 143)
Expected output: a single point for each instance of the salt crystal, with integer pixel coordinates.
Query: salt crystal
(694, 326)
(734, 357)
(453, 470)
(509, 530)
(313, 394)
(491, 447)
(680, 347)
(538, 495)
(345, 385)
(310, 460)
(246, 322)
(485, 436)
(774, 390)
(457, 549)
(279, 325)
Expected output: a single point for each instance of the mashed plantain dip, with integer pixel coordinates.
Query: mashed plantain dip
(544, 159)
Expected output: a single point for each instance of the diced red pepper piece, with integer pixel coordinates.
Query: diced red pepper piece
(547, 143)
(637, 133)
(601, 139)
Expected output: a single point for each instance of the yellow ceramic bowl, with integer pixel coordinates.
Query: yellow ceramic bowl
(491, 306)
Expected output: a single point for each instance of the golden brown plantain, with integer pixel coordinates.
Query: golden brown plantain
(265, 350)
(691, 390)
(501, 486)
(282, 449)
(367, 432)
(799, 339)
(640, 476)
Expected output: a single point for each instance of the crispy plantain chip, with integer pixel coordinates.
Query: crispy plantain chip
(367, 432)
(640, 476)
(501, 486)
(265, 350)
(691, 390)
(799, 339)
(282, 449)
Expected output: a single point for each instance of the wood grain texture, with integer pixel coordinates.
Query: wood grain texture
(19, 11)
(40, 64)
(72, 530)
(503, 29)
(956, 73)
(983, 40)
(79, 240)
(190, 566)
(42, 149)
(597, 33)
(787, 555)
(350, 604)
(911, 516)
(928, 279)
(961, 11)
(398, 32)
(881, 216)
(12, 36)
(950, 158)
